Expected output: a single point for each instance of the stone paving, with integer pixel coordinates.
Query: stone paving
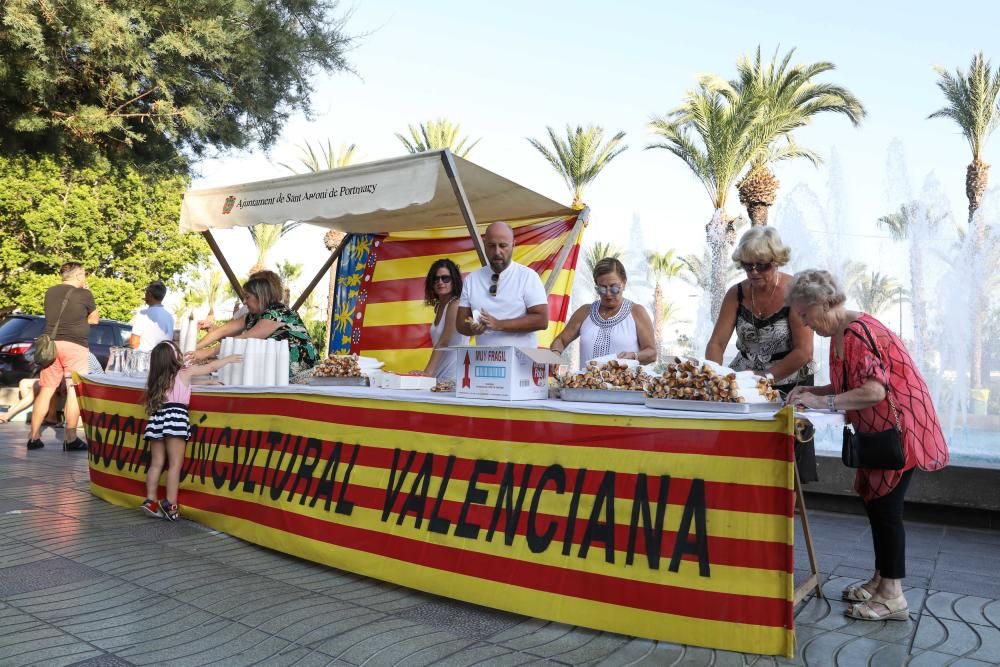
(86, 583)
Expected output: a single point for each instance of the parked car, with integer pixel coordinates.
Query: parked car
(18, 332)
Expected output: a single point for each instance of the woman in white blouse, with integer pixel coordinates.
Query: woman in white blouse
(612, 324)
(441, 290)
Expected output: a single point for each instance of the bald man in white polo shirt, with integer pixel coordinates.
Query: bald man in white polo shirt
(510, 297)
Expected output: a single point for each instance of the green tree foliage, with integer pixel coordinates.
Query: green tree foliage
(120, 223)
(116, 298)
(153, 81)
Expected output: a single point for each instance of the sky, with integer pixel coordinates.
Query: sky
(505, 71)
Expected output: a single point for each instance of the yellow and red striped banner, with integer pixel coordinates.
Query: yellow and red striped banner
(380, 310)
(665, 528)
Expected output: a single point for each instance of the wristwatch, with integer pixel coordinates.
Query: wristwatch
(830, 398)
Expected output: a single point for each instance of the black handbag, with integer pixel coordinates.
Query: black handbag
(882, 450)
(43, 350)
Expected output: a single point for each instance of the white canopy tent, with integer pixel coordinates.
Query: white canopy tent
(414, 192)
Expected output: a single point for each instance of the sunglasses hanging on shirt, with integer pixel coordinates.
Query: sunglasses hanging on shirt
(493, 284)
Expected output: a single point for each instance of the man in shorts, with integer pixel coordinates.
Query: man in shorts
(72, 305)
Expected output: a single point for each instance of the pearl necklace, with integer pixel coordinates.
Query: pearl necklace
(753, 304)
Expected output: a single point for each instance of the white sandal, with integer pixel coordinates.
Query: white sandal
(896, 610)
(856, 593)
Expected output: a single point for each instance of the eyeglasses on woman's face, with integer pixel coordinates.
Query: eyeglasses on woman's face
(493, 284)
(445, 278)
(604, 290)
(759, 267)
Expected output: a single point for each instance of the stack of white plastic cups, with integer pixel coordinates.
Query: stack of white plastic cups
(281, 364)
(250, 362)
(225, 349)
(265, 362)
(270, 363)
(236, 370)
(189, 335)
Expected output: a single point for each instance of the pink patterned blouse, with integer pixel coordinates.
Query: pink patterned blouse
(923, 442)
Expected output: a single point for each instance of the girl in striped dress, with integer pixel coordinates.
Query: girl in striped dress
(168, 393)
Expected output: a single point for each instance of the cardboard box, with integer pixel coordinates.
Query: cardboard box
(384, 380)
(503, 373)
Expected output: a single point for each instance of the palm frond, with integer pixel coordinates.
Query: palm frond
(973, 101)
(322, 158)
(435, 135)
(597, 251)
(875, 292)
(579, 156)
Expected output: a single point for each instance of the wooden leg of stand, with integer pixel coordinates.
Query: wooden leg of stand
(813, 581)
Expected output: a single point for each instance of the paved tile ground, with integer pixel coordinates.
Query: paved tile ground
(85, 583)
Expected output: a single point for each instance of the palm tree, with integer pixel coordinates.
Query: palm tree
(899, 225)
(974, 104)
(729, 133)
(875, 292)
(597, 251)
(580, 157)
(265, 237)
(289, 272)
(191, 298)
(790, 98)
(323, 157)
(211, 289)
(696, 271)
(664, 266)
(434, 135)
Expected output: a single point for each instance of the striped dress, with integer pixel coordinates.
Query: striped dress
(171, 420)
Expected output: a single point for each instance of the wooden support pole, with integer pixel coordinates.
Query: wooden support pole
(813, 581)
(233, 280)
(463, 204)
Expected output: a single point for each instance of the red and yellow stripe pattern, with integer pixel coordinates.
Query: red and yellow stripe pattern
(673, 529)
(387, 314)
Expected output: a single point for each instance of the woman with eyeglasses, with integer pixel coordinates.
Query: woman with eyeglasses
(441, 290)
(771, 339)
(612, 324)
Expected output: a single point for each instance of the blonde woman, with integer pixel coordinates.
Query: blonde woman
(771, 340)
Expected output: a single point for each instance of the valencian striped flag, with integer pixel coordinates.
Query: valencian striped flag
(379, 307)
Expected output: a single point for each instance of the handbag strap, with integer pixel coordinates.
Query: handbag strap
(55, 328)
(870, 344)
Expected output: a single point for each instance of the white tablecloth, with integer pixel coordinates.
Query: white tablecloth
(824, 422)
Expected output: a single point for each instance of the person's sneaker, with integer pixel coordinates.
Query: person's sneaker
(35, 444)
(77, 445)
(169, 510)
(152, 508)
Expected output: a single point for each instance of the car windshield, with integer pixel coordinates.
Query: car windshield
(20, 328)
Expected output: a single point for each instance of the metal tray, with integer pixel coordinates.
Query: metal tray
(339, 382)
(710, 406)
(602, 396)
